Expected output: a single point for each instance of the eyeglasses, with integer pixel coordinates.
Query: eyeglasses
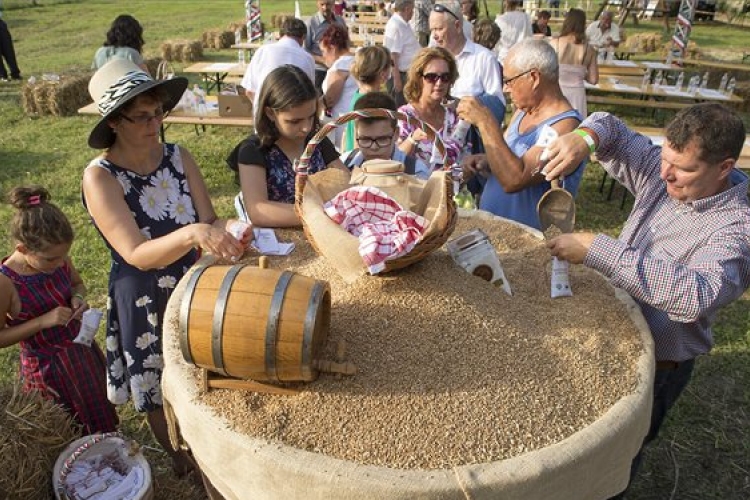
(445, 10)
(382, 141)
(509, 81)
(144, 119)
(434, 77)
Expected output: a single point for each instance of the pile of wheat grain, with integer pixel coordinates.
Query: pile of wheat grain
(452, 371)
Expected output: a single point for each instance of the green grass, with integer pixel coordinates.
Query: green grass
(704, 450)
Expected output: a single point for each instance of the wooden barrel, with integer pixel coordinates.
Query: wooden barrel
(253, 323)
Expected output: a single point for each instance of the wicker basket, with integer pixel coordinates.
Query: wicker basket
(431, 240)
(97, 444)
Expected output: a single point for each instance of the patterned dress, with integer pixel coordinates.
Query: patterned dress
(424, 151)
(160, 203)
(71, 374)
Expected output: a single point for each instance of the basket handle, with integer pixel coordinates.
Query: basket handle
(76, 454)
(303, 163)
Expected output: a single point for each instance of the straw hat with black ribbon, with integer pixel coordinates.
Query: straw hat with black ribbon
(116, 83)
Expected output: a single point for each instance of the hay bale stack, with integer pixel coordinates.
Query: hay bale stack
(223, 39)
(239, 25)
(208, 39)
(70, 94)
(33, 432)
(644, 42)
(182, 50)
(191, 51)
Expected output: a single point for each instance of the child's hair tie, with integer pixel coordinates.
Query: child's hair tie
(35, 200)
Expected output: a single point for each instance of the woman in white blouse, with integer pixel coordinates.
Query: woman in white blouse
(338, 86)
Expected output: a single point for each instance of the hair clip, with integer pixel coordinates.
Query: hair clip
(35, 200)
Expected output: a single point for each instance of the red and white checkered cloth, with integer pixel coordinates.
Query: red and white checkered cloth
(385, 230)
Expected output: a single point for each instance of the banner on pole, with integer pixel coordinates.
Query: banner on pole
(252, 19)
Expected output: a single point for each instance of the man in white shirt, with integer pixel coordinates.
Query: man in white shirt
(478, 69)
(402, 42)
(603, 33)
(288, 50)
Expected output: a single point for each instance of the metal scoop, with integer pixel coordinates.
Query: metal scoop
(557, 208)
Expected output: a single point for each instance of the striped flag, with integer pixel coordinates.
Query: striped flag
(297, 10)
(252, 18)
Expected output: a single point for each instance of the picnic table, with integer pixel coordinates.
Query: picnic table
(214, 74)
(190, 117)
(628, 92)
(721, 65)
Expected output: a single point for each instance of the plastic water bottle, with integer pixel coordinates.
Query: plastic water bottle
(680, 80)
(241, 56)
(459, 133)
(610, 55)
(600, 57)
(723, 84)
(670, 56)
(659, 78)
(237, 37)
(646, 79)
(730, 86)
(200, 99)
(704, 80)
(694, 84)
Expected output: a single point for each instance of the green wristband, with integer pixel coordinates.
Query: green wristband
(586, 137)
(83, 299)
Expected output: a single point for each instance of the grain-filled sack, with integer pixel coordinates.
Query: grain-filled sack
(461, 392)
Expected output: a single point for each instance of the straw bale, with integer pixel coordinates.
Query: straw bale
(70, 94)
(191, 51)
(166, 51)
(225, 39)
(28, 102)
(238, 25)
(209, 39)
(177, 50)
(40, 91)
(33, 431)
(152, 64)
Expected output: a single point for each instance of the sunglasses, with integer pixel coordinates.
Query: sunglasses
(509, 81)
(434, 77)
(445, 10)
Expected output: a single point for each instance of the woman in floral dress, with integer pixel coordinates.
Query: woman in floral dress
(149, 202)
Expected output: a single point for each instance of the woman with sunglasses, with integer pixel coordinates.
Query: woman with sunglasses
(427, 92)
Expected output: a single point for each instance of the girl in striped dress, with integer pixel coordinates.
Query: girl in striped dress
(42, 298)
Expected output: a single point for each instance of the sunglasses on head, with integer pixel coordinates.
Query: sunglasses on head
(434, 77)
(445, 10)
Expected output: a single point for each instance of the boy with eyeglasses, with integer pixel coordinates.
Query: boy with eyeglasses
(376, 138)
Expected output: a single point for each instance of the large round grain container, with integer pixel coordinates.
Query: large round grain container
(253, 323)
(462, 391)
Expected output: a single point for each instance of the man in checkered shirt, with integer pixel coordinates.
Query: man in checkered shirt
(684, 251)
